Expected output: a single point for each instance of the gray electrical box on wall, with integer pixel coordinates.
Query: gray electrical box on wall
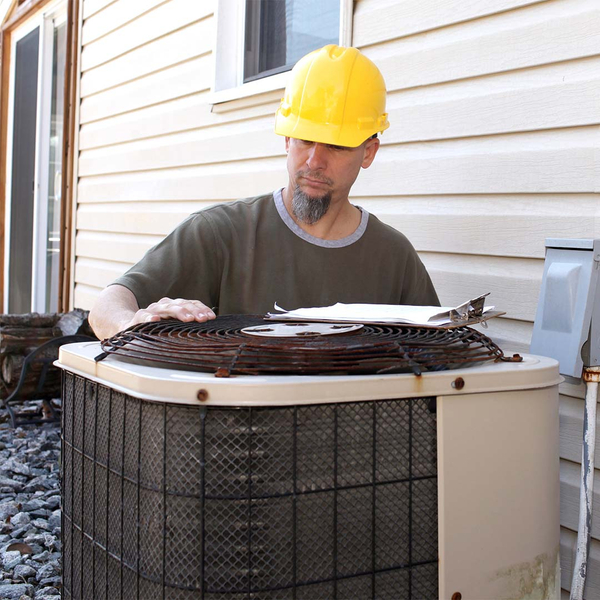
(567, 322)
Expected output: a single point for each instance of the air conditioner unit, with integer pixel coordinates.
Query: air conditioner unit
(179, 484)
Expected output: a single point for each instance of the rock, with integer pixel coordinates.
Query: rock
(10, 560)
(48, 570)
(42, 556)
(8, 509)
(37, 483)
(34, 504)
(6, 483)
(54, 519)
(15, 591)
(17, 533)
(17, 467)
(34, 538)
(47, 593)
(50, 580)
(6, 528)
(40, 513)
(40, 524)
(50, 541)
(23, 571)
(53, 502)
(20, 519)
(29, 510)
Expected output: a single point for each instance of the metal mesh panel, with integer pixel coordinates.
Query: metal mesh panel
(302, 502)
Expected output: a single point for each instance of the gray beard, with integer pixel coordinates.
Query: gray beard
(309, 209)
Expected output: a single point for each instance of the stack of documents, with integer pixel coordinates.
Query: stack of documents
(470, 312)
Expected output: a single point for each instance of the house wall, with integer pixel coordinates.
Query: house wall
(493, 148)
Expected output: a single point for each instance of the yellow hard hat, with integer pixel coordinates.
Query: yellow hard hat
(335, 95)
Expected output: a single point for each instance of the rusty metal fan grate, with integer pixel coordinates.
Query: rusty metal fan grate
(220, 347)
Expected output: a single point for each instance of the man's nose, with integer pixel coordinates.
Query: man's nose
(317, 157)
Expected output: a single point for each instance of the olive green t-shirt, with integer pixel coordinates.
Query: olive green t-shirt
(244, 256)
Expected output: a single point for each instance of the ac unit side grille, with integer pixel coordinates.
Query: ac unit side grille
(316, 501)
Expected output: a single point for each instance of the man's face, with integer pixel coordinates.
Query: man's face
(323, 173)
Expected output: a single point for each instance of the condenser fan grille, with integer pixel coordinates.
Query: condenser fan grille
(220, 346)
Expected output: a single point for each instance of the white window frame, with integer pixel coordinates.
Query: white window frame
(50, 19)
(229, 53)
(41, 20)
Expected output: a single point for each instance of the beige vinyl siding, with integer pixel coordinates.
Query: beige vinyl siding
(152, 147)
(494, 146)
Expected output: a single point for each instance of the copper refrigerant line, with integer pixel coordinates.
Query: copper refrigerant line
(219, 346)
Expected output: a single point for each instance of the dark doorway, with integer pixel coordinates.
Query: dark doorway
(23, 173)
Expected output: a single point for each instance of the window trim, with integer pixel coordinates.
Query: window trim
(228, 53)
(13, 19)
(36, 19)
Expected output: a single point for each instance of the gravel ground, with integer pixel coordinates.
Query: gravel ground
(30, 546)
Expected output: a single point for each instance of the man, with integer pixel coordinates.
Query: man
(304, 245)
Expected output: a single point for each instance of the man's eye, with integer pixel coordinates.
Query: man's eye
(334, 147)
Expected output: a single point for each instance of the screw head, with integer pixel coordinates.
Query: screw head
(458, 383)
(202, 395)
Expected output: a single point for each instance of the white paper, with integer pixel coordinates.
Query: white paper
(370, 313)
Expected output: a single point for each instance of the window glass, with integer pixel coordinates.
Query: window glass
(279, 32)
(55, 167)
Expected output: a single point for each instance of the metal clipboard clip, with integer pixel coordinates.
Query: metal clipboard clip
(472, 309)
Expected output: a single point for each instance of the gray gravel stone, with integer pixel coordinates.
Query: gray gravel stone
(54, 519)
(53, 502)
(55, 580)
(21, 531)
(40, 524)
(42, 556)
(15, 591)
(16, 467)
(49, 570)
(34, 504)
(29, 512)
(8, 509)
(47, 593)
(20, 519)
(10, 560)
(8, 484)
(23, 571)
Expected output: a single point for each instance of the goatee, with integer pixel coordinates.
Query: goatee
(309, 209)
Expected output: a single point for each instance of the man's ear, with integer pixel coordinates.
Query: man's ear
(371, 147)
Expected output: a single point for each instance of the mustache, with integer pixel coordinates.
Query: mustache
(316, 176)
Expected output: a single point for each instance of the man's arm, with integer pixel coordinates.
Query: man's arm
(117, 309)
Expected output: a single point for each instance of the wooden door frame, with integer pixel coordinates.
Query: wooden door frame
(17, 14)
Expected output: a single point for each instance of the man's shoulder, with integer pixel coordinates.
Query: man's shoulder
(386, 234)
(243, 208)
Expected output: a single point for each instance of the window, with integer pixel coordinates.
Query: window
(34, 162)
(280, 32)
(259, 41)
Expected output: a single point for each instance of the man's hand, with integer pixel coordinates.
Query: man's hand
(117, 309)
(167, 308)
